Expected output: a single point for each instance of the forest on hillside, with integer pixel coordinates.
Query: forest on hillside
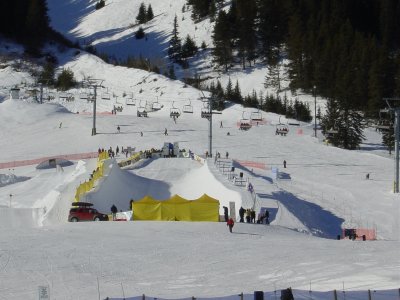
(347, 51)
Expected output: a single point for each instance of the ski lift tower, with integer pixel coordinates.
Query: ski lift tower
(94, 83)
(208, 115)
(394, 105)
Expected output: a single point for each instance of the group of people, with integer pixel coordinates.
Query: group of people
(110, 151)
(251, 216)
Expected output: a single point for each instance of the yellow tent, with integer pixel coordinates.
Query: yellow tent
(205, 208)
(175, 208)
(147, 209)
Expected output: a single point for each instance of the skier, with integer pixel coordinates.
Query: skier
(118, 129)
(60, 125)
(165, 131)
(141, 133)
(230, 224)
(284, 163)
(221, 126)
(117, 151)
(226, 155)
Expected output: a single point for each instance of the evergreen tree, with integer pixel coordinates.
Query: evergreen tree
(100, 4)
(65, 80)
(222, 51)
(189, 47)
(149, 13)
(237, 94)
(46, 77)
(273, 79)
(36, 25)
(175, 46)
(139, 34)
(229, 90)
(245, 15)
(141, 17)
(171, 72)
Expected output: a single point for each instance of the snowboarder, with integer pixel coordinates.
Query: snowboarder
(230, 224)
(118, 129)
(226, 213)
(114, 212)
(284, 163)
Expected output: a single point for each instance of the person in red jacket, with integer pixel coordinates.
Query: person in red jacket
(230, 224)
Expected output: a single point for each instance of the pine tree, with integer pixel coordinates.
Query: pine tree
(36, 25)
(46, 77)
(141, 17)
(189, 47)
(273, 79)
(171, 72)
(65, 80)
(237, 94)
(139, 34)
(222, 51)
(149, 13)
(175, 46)
(229, 90)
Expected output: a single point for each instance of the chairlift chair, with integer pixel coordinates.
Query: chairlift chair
(130, 101)
(174, 112)
(205, 113)
(188, 108)
(83, 95)
(245, 123)
(156, 105)
(385, 120)
(282, 129)
(141, 112)
(256, 116)
(106, 96)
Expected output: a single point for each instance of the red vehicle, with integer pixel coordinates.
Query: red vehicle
(83, 211)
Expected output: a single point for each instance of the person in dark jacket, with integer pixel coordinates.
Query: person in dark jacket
(114, 211)
(241, 214)
(226, 213)
(266, 216)
(230, 224)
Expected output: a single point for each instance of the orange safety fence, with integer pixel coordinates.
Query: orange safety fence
(252, 164)
(20, 163)
(88, 113)
(360, 234)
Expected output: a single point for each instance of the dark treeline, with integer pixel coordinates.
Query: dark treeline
(348, 49)
(27, 22)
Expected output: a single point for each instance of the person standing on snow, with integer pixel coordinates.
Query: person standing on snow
(226, 213)
(230, 224)
(241, 214)
(114, 211)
